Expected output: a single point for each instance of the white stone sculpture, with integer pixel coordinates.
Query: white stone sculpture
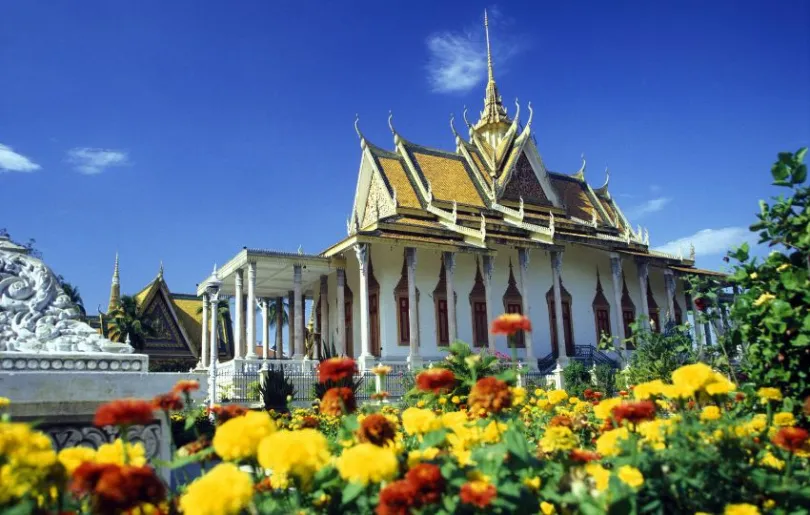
(36, 316)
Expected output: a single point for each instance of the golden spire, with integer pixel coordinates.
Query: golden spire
(494, 111)
(115, 289)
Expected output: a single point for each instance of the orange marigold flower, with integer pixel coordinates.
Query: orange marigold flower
(791, 438)
(168, 402)
(186, 386)
(478, 493)
(429, 483)
(309, 422)
(623, 393)
(435, 380)
(336, 369)
(192, 448)
(338, 401)
(265, 485)
(377, 429)
(583, 456)
(588, 393)
(510, 323)
(225, 413)
(117, 488)
(124, 412)
(634, 412)
(396, 498)
(739, 397)
(490, 395)
(561, 420)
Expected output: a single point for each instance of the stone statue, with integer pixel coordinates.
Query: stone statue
(35, 313)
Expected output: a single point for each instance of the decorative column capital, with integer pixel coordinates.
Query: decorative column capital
(239, 277)
(361, 249)
(449, 261)
(489, 267)
(341, 277)
(324, 284)
(523, 258)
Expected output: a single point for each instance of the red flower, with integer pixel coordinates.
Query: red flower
(225, 413)
(376, 429)
(116, 488)
(265, 485)
(396, 498)
(561, 420)
(491, 395)
(168, 402)
(739, 397)
(598, 395)
(587, 394)
(623, 393)
(634, 412)
(309, 422)
(700, 304)
(583, 456)
(429, 483)
(186, 386)
(336, 369)
(791, 438)
(338, 401)
(478, 493)
(510, 323)
(435, 380)
(124, 412)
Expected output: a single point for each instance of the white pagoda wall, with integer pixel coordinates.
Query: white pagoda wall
(578, 275)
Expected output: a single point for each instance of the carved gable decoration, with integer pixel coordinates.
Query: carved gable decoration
(524, 183)
(378, 202)
(168, 334)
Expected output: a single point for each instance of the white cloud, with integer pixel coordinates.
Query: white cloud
(11, 161)
(708, 242)
(458, 60)
(650, 206)
(91, 161)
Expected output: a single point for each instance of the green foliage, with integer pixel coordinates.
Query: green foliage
(171, 365)
(275, 389)
(576, 378)
(127, 319)
(605, 379)
(657, 355)
(771, 312)
(189, 426)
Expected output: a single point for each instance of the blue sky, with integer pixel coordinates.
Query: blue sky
(181, 131)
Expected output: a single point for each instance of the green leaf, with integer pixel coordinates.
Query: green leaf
(780, 171)
(190, 421)
(621, 507)
(516, 445)
(799, 174)
(22, 508)
(351, 492)
(350, 423)
(185, 460)
(799, 157)
(433, 438)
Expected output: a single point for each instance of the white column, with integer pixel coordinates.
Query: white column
(204, 353)
(265, 303)
(616, 275)
(298, 317)
(643, 274)
(556, 269)
(341, 312)
(238, 325)
(212, 369)
(449, 270)
(669, 281)
(251, 311)
(414, 358)
(528, 338)
(365, 359)
(488, 269)
(324, 338)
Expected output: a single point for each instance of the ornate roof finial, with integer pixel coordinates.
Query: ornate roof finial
(647, 236)
(466, 121)
(691, 251)
(453, 126)
(357, 130)
(300, 250)
(391, 126)
(160, 270)
(531, 115)
(581, 173)
(494, 111)
(116, 279)
(214, 273)
(517, 110)
(490, 73)
(115, 289)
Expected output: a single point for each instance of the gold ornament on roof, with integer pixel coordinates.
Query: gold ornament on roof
(494, 110)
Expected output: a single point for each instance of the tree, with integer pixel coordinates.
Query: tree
(73, 293)
(276, 310)
(128, 320)
(223, 314)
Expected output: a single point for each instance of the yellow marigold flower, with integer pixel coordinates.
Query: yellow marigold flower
(769, 460)
(462, 456)
(420, 404)
(608, 442)
(453, 419)
(678, 391)
(239, 438)
(693, 377)
(603, 409)
(225, 490)
(114, 453)
(544, 404)
(558, 438)
(417, 421)
(631, 476)
(533, 483)
(546, 508)
(538, 392)
(720, 387)
(367, 463)
(783, 267)
(72, 457)
(765, 297)
(442, 401)
(4, 402)
(649, 389)
(769, 504)
(741, 509)
(298, 454)
(599, 474)
(417, 456)
(784, 419)
(518, 395)
(455, 399)
(710, 413)
(492, 433)
(556, 396)
(769, 394)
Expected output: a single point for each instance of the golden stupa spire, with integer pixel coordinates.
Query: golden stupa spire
(115, 288)
(494, 111)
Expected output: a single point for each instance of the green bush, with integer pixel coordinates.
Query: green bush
(275, 390)
(576, 378)
(657, 355)
(606, 379)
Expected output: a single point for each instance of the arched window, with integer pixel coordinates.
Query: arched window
(373, 310)
(478, 304)
(348, 304)
(628, 311)
(440, 308)
(655, 317)
(513, 303)
(567, 322)
(403, 305)
(601, 311)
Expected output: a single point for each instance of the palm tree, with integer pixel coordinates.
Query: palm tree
(128, 320)
(73, 294)
(278, 312)
(223, 314)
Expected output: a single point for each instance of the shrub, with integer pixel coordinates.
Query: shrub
(275, 390)
(605, 379)
(576, 378)
(657, 355)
